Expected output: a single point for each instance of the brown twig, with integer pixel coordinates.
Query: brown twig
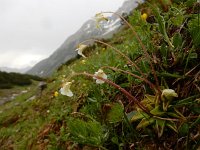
(119, 52)
(126, 93)
(134, 75)
(142, 45)
(168, 119)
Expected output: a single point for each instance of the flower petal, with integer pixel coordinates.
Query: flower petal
(69, 93)
(80, 49)
(169, 93)
(100, 74)
(98, 81)
(65, 90)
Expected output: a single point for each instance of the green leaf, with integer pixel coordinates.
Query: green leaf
(157, 111)
(131, 114)
(190, 3)
(144, 66)
(90, 132)
(177, 20)
(184, 129)
(187, 101)
(196, 109)
(194, 29)
(172, 126)
(92, 100)
(166, 74)
(177, 40)
(179, 114)
(161, 23)
(193, 56)
(116, 113)
(139, 115)
(196, 123)
(145, 122)
(115, 140)
(164, 53)
(150, 98)
(160, 125)
(173, 114)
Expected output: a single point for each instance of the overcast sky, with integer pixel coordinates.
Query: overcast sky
(31, 30)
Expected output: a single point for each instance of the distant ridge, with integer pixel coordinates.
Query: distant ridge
(22, 70)
(88, 30)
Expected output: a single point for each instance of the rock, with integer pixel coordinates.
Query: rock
(41, 86)
(16, 104)
(25, 91)
(31, 98)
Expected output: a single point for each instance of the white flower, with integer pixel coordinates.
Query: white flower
(169, 94)
(80, 49)
(65, 90)
(101, 74)
(98, 18)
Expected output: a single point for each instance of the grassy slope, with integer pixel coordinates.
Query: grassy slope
(42, 122)
(19, 125)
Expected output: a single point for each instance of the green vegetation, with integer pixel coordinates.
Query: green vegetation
(8, 80)
(149, 99)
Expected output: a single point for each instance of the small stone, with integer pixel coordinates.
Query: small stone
(46, 141)
(16, 104)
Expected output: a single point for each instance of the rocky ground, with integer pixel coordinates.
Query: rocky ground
(7, 95)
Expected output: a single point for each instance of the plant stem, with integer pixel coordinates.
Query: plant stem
(168, 119)
(134, 133)
(119, 52)
(126, 93)
(134, 75)
(82, 114)
(142, 45)
(103, 148)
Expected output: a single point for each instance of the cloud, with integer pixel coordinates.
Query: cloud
(19, 60)
(34, 29)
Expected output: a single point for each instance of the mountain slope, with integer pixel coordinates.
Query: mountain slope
(103, 116)
(66, 51)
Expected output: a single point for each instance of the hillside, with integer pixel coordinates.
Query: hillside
(14, 84)
(8, 80)
(138, 90)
